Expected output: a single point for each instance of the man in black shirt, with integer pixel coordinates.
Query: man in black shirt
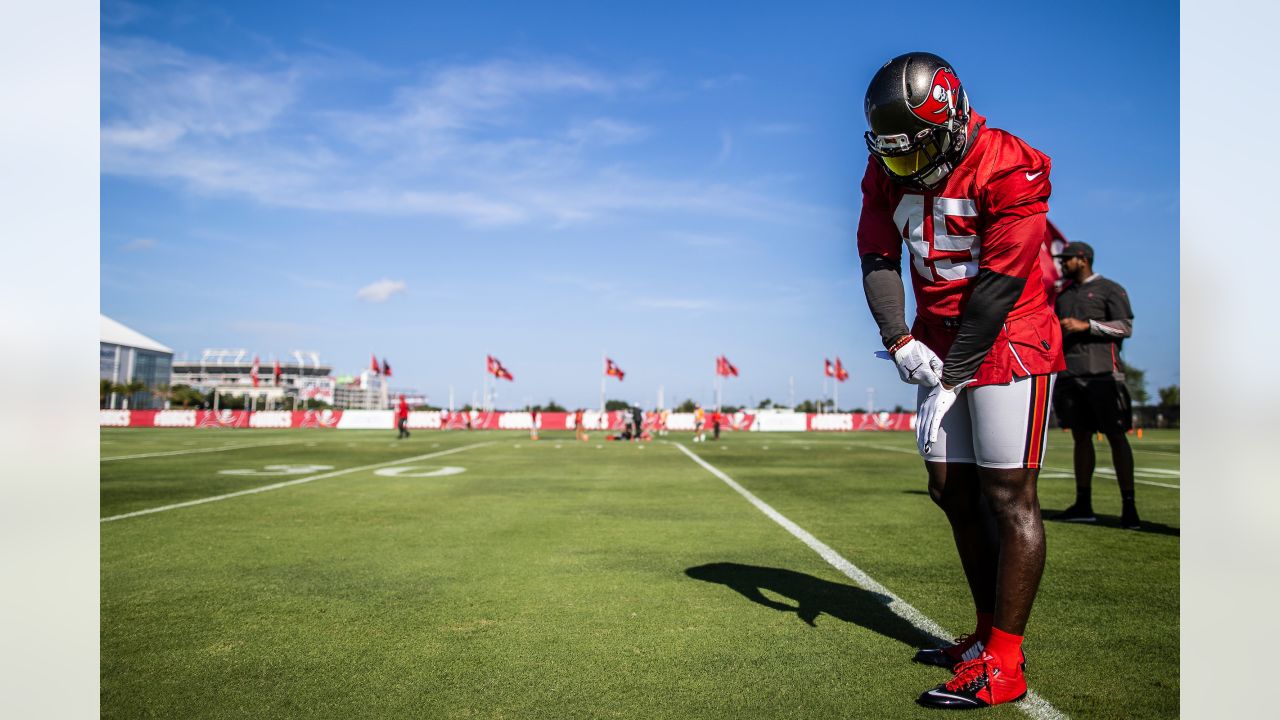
(1091, 396)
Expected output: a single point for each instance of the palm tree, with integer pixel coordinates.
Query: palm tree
(104, 392)
(185, 395)
(132, 388)
(118, 389)
(161, 393)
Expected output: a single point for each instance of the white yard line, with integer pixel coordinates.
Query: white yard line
(1033, 705)
(287, 483)
(192, 452)
(1156, 472)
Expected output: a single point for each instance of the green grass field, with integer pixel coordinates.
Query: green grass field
(556, 579)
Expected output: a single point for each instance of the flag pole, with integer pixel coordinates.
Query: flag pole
(604, 358)
(719, 386)
(835, 393)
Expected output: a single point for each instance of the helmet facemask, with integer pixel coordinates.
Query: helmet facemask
(924, 161)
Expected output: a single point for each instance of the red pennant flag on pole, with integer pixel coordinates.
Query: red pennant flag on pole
(612, 370)
(1050, 270)
(494, 367)
(725, 368)
(386, 368)
(373, 364)
(277, 373)
(253, 371)
(841, 374)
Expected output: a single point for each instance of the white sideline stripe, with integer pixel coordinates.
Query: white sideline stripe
(1112, 473)
(192, 452)
(1033, 705)
(287, 483)
(1103, 470)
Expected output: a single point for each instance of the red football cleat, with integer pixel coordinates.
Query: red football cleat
(978, 683)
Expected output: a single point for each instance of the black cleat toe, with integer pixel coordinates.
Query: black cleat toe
(934, 656)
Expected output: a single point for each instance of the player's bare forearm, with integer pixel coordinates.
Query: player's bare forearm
(1074, 325)
(882, 283)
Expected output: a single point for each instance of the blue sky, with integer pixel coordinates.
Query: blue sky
(544, 182)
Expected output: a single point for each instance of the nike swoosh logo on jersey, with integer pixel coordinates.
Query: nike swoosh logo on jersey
(1033, 176)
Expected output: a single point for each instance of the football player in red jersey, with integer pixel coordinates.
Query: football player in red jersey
(970, 203)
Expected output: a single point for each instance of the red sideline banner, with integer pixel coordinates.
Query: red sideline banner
(494, 420)
(220, 418)
(853, 422)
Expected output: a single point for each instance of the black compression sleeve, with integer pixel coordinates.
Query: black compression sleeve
(984, 314)
(882, 283)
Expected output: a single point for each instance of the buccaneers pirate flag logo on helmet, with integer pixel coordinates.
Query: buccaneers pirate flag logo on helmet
(940, 104)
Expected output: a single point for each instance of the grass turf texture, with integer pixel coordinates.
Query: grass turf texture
(560, 579)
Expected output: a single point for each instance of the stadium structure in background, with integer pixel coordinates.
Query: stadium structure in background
(298, 382)
(126, 356)
(275, 384)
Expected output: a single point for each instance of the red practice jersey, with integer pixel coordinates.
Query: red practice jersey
(989, 214)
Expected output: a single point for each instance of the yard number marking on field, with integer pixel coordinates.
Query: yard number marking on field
(1033, 705)
(412, 471)
(271, 470)
(192, 452)
(287, 483)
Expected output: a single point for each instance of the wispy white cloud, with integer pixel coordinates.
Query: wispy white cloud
(774, 128)
(1131, 201)
(118, 13)
(156, 95)
(139, 244)
(726, 147)
(606, 131)
(381, 291)
(492, 143)
(675, 303)
(722, 81)
(703, 239)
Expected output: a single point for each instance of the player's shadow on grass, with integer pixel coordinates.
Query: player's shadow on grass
(1112, 522)
(813, 597)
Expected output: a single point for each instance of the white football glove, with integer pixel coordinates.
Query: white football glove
(917, 364)
(929, 418)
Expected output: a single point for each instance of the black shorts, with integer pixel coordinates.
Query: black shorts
(1097, 403)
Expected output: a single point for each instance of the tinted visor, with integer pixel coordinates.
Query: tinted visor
(907, 165)
(906, 159)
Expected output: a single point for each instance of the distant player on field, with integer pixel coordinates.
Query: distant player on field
(533, 424)
(699, 419)
(970, 203)
(1091, 396)
(580, 428)
(402, 418)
